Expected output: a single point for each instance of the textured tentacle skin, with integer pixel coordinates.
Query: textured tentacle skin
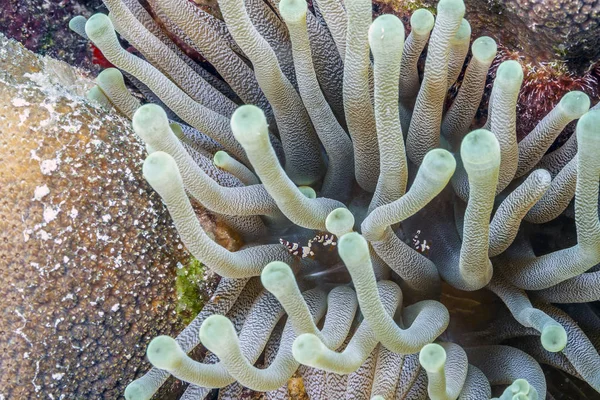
(555, 161)
(358, 107)
(446, 366)
(459, 116)
(502, 365)
(558, 196)
(208, 40)
(480, 155)
(386, 39)
(459, 47)
(335, 16)
(101, 32)
(531, 149)
(112, 84)
(167, 61)
(553, 336)
(535, 273)
(476, 385)
(249, 126)
(300, 143)
(309, 350)
(503, 120)
(431, 317)
(235, 168)
(338, 180)
(424, 131)
(386, 373)
(507, 219)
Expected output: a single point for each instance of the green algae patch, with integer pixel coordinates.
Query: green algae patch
(189, 284)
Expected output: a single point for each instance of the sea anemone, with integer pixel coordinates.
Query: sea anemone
(314, 143)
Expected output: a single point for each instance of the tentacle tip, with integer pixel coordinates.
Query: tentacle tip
(588, 129)
(217, 333)
(480, 149)
(293, 10)
(221, 158)
(98, 25)
(456, 8)
(278, 278)
(386, 35)
(110, 75)
(422, 21)
(484, 48)
(164, 352)
(509, 75)
(439, 164)
(340, 221)
(308, 192)
(150, 122)
(307, 349)
(554, 337)
(432, 357)
(136, 391)
(161, 172)
(463, 32)
(248, 123)
(574, 104)
(353, 249)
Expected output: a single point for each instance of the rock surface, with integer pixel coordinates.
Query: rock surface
(87, 250)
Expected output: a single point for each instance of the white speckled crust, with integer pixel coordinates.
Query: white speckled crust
(503, 364)
(202, 118)
(507, 218)
(300, 143)
(424, 130)
(208, 41)
(164, 58)
(476, 385)
(533, 146)
(338, 180)
(558, 196)
(358, 104)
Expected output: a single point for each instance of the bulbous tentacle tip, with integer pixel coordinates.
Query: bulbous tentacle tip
(484, 49)
(574, 104)
(161, 172)
(221, 158)
(520, 389)
(353, 249)
(480, 150)
(217, 333)
(249, 124)
(307, 348)
(452, 7)
(554, 337)
(150, 122)
(308, 192)
(422, 21)
(432, 357)
(164, 352)
(439, 164)
(588, 129)
(509, 75)
(110, 75)
(136, 391)
(463, 32)
(340, 221)
(293, 10)
(98, 25)
(541, 177)
(386, 35)
(278, 278)
(378, 397)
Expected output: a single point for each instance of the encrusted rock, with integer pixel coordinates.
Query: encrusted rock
(87, 250)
